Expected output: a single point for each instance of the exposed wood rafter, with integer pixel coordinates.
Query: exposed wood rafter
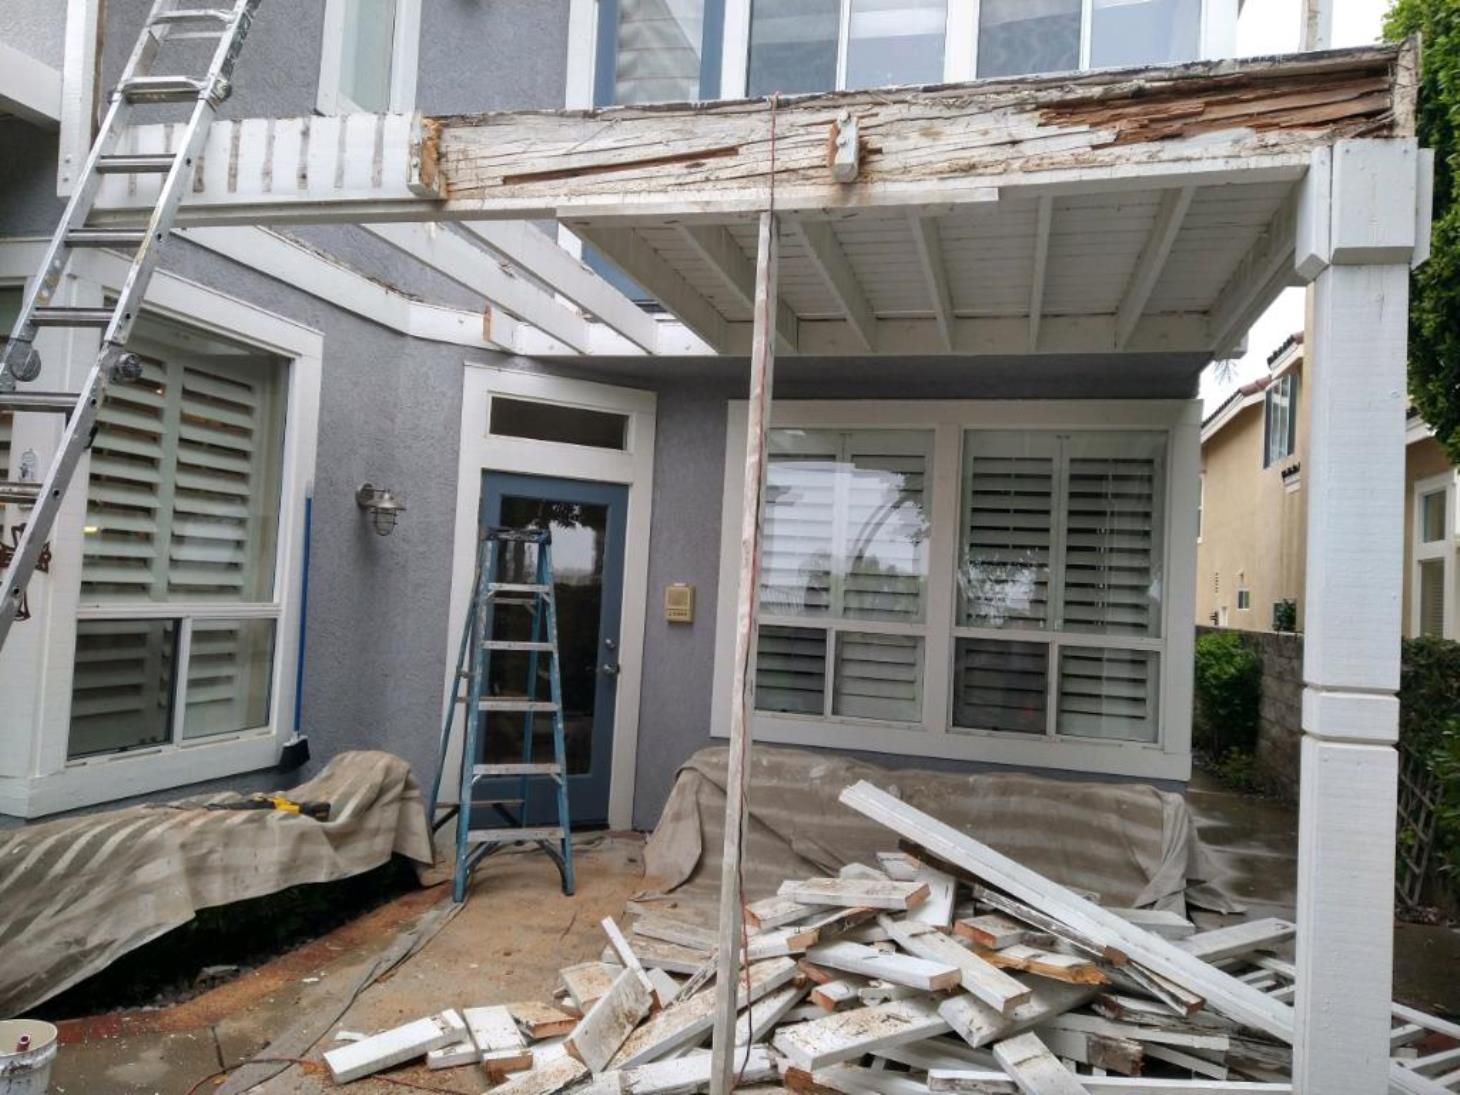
(826, 254)
(1044, 220)
(717, 247)
(1263, 271)
(1169, 215)
(935, 272)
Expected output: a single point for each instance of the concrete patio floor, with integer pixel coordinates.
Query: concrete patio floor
(518, 930)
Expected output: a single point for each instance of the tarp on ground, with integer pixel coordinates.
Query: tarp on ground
(1130, 843)
(78, 893)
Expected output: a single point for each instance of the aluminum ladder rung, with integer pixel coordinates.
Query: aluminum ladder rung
(72, 317)
(514, 836)
(163, 89)
(517, 587)
(513, 644)
(531, 706)
(106, 237)
(20, 494)
(488, 771)
(191, 15)
(153, 163)
(496, 802)
(39, 402)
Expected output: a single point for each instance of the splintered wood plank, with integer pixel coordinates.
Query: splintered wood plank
(853, 1080)
(538, 1020)
(1239, 939)
(545, 1079)
(664, 930)
(588, 982)
(834, 995)
(994, 931)
(938, 908)
(1034, 1068)
(863, 871)
(989, 1082)
(773, 912)
(856, 893)
(684, 1023)
(498, 1040)
(1119, 1055)
(781, 941)
(1165, 923)
(454, 1055)
(1060, 967)
(833, 922)
(682, 1075)
(394, 1046)
(989, 984)
(626, 954)
(1213, 1041)
(666, 988)
(849, 1034)
(1051, 925)
(760, 1019)
(899, 866)
(604, 1029)
(978, 1024)
(900, 969)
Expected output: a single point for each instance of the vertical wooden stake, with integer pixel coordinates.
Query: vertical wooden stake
(762, 369)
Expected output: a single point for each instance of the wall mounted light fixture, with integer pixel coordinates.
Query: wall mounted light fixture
(382, 506)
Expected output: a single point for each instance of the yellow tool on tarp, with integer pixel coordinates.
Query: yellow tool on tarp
(320, 811)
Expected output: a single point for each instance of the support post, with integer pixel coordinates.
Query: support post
(1355, 382)
(762, 370)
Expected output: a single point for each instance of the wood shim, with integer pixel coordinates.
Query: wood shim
(1034, 1068)
(1223, 993)
(394, 1046)
(852, 893)
(849, 1034)
(603, 1030)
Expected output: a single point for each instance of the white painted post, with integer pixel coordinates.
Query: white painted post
(762, 370)
(1356, 237)
(1317, 29)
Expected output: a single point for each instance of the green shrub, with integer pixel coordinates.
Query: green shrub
(1429, 729)
(1228, 694)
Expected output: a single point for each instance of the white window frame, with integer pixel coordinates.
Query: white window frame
(1443, 550)
(36, 777)
(481, 451)
(404, 59)
(1168, 758)
(1218, 39)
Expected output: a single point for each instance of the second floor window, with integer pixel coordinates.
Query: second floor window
(1021, 37)
(658, 51)
(1280, 420)
(818, 45)
(369, 56)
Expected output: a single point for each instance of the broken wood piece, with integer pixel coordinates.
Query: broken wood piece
(900, 969)
(856, 893)
(1118, 1055)
(545, 1079)
(850, 1034)
(994, 931)
(1061, 967)
(1051, 925)
(1164, 922)
(992, 1082)
(988, 983)
(881, 992)
(498, 1041)
(862, 871)
(673, 957)
(1213, 1041)
(394, 1046)
(626, 955)
(453, 1056)
(773, 912)
(666, 988)
(942, 889)
(500, 1062)
(605, 1083)
(978, 1024)
(781, 941)
(1123, 1008)
(1034, 1068)
(690, 1073)
(1179, 999)
(588, 982)
(899, 866)
(814, 973)
(612, 1019)
(1238, 939)
(829, 923)
(848, 1079)
(834, 995)
(538, 1020)
(758, 1020)
(674, 931)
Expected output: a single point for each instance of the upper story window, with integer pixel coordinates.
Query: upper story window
(815, 45)
(658, 51)
(1020, 37)
(369, 56)
(1280, 420)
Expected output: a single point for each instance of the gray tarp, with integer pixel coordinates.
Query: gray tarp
(77, 894)
(1130, 843)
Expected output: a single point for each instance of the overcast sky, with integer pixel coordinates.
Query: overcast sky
(1271, 26)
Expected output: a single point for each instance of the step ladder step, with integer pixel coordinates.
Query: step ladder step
(518, 587)
(519, 705)
(162, 89)
(39, 402)
(20, 494)
(71, 317)
(106, 237)
(514, 836)
(506, 644)
(496, 802)
(488, 770)
(192, 15)
(157, 163)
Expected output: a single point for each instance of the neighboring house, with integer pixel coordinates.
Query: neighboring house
(1252, 540)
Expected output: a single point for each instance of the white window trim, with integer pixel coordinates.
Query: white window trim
(1444, 549)
(1169, 758)
(481, 452)
(1217, 39)
(404, 60)
(36, 778)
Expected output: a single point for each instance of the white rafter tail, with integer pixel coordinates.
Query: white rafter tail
(1169, 216)
(1265, 270)
(528, 246)
(719, 251)
(929, 246)
(29, 89)
(1044, 220)
(633, 255)
(826, 254)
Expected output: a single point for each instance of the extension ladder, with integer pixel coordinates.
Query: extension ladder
(484, 710)
(227, 26)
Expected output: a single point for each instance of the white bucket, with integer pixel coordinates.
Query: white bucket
(27, 1073)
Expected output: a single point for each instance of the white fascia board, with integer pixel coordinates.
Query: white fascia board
(30, 89)
(1223, 417)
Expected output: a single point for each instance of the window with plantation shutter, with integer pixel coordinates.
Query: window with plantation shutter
(1107, 694)
(844, 549)
(182, 520)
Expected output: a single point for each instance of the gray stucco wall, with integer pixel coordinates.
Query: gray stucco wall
(36, 27)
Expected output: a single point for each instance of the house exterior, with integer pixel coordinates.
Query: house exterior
(1252, 547)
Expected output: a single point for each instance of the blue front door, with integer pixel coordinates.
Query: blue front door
(587, 522)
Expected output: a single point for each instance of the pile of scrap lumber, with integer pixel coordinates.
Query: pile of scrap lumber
(944, 967)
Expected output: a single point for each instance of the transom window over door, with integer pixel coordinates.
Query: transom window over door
(821, 45)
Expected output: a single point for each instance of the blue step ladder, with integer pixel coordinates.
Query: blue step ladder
(485, 711)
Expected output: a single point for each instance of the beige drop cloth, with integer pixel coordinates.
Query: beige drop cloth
(76, 894)
(1133, 845)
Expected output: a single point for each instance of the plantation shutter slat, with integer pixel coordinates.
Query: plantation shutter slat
(1107, 694)
(1009, 530)
(1001, 685)
(790, 670)
(878, 677)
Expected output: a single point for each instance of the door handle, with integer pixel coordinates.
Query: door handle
(609, 669)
